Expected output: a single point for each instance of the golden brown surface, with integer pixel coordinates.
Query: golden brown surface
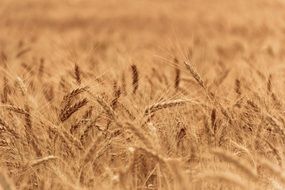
(142, 94)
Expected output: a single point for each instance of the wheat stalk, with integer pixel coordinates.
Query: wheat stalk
(68, 97)
(223, 177)
(31, 137)
(235, 161)
(42, 160)
(277, 171)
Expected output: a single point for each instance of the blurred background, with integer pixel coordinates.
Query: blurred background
(143, 29)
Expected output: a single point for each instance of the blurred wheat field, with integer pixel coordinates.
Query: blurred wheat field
(123, 95)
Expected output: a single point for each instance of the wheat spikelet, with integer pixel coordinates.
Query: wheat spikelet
(163, 105)
(276, 123)
(13, 164)
(2, 127)
(49, 93)
(106, 107)
(87, 131)
(237, 87)
(124, 84)
(9, 129)
(180, 135)
(16, 109)
(74, 127)
(253, 105)
(5, 90)
(68, 97)
(195, 74)
(90, 125)
(55, 130)
(63, 84)
(41, 67)
(116, 94)
(77, 74)
(28, 68)
(21, 86)
(88, 113)
(135, 78)
(177, 79)
(213, 119)
(65, 114)
(269, 84)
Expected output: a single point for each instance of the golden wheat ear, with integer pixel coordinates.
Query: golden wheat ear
(135, 78)
(195, 74)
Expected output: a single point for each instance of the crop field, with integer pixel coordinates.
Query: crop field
(142, 94)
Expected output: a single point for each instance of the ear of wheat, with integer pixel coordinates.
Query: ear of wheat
(135, 78)
(177, 79)
(65, 114)
(195, 74)
(163, 105)
(77, 74)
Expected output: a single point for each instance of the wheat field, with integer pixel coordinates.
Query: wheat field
(142, 94)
